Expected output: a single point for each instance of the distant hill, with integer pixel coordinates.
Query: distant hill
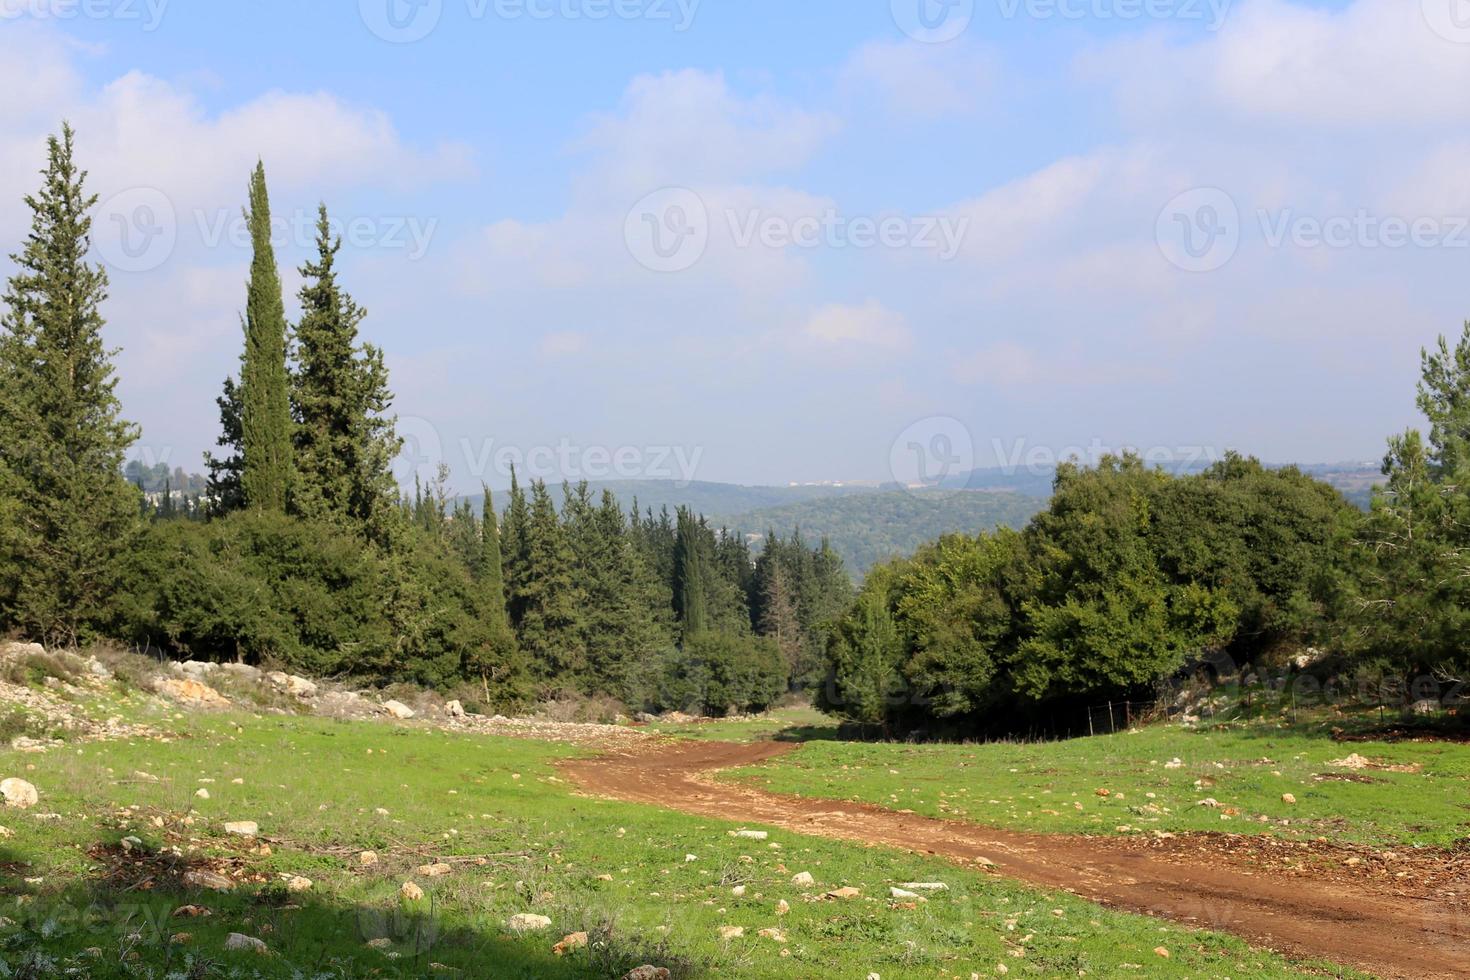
(869, 524)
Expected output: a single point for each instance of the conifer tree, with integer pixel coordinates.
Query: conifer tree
(491, 568)
(67, 514)
(264, 399)
(344, 443)
(690, 576)
(514, 559)
(550, 599)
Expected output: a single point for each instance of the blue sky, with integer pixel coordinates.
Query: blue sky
(1179, 225)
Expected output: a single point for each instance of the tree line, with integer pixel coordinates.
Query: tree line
(303, 552)
(1131, 575)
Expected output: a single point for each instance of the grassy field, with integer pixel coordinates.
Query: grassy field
(94, 888)
(1156, 779)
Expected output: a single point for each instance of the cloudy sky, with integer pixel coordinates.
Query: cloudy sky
(765, 241)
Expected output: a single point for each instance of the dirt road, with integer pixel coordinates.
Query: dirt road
(1410, 933)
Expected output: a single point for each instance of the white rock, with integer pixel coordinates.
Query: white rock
(750, 834)
(804, 878)
(528, 922)
(295, 884)
(411, 892)
(926, 886)
(731, 932)
(398, 709)
(454, 709)
(242, 828)
(202, 793)
(738, 891)
(905, 893)
(250, 943)
(19, 793)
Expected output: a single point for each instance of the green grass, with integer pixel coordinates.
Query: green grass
(793, 724)
(520, 841)
(1246, 767)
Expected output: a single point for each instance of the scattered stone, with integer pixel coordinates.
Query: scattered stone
(775, 934)
(1288, 799)
(454, 709)
(803, 879)
(1174, 764)
(731, 932)
(528, 922)
(1161, 951)
(242, 828)
(750, 834)
(191, 912)
(18, 793)
(1104, 792)
(210, 880)
(202, 793)
(295, 884)
(926, 886)
(782, 907)
(411, 892)
(905, 893)
(298, 687)
(382, 942)
(1353, 761)
(435, 870)
(1210, 802)
(399, 710)
(646, 972)
(690, 858)
(367, 859)
(845, 892)
(569, 942)
(247, 943)
(190, 691)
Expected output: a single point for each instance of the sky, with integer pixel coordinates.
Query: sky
(762, 242)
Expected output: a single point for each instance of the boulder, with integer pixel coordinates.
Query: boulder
(647, 972)
(209, 880)
(242, 828)
(528, 922)
(399, 710)
(845, 892)
(731, 932)
(11, 649)
(750, 834)
(569, 942)
(454, 709)
(295, 884)
(367, 859)
(435, 870)
(410, 892)
(803, 879)
(298, 687)
(249, 944)
(190, 691)
(19, 793)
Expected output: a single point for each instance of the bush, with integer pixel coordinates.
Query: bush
(719, 673)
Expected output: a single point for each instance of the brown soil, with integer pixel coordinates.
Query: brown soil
(1305, 900)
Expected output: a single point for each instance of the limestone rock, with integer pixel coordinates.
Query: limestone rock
(247, 943)
(411, 892)
(399, 710)
(242, 828)
(210, 880)
(569, 942)
(190, 692)
(19, 793)
(528, 922)
(803, 879)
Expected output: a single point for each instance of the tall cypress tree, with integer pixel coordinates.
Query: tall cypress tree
(67, 514)
(344, 442)
(491, 566)
(691, 575)
(265, 405)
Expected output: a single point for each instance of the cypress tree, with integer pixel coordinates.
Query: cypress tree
(550, 599)
(67, 514)
(492, 571)
(264, 400)
(514, 559)
(690, 576)
(344, 443)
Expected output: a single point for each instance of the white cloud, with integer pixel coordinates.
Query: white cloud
(1372, 62)
(923, 80)
(563, 343)
(852, 327)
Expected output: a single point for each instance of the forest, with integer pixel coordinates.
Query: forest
(303, 552)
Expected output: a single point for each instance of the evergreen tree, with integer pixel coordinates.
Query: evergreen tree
(490, 569)
(690, 576)
(514, 558)
(549, 599)
(778, 617)
(67, 515)
(344, 443)
(264, 399)
(225, 492)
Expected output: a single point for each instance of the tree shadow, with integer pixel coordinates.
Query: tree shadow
(152, 924)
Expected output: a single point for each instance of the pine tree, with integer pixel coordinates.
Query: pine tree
(264, 399)
(779, 620)
(344, 443)
(514, 558)
(549, 599)
(691, 576)
(491, 567)
(224, 490)
(67, 514)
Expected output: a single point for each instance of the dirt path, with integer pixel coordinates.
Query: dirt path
(1423, 934)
